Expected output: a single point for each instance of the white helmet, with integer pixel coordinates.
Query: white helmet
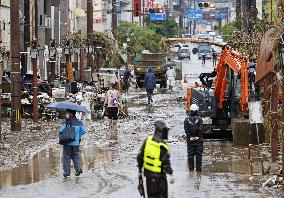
(194, 107)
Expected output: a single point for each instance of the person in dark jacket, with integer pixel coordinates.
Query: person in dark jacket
(214, 57)
(154, 157)
(127, 74)
(71, 150)
(193, 127)
(150, 84)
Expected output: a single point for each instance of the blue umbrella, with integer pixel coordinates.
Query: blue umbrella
(67, 105)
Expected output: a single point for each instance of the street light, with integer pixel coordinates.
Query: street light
(34, 55)
(98, 49)
(90, 47)
(281, 56)
(67, 50)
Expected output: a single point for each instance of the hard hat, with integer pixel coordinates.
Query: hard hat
(161, 129)
(194, 107)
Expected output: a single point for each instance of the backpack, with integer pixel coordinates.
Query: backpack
(193, 127)
(114, 100)
(68, 134)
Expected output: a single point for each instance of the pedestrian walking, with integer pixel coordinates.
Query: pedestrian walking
(150, 84)
(154, 157)
(214, 57)
(127, 74)
(203, 56)
(112, 103)
(171, 74)
(193, 126)
(72, 149)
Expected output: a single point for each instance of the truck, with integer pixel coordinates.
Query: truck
(157, 62)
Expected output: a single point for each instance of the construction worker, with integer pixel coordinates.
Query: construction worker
(171, 74)
(154, 157)
(193, 126)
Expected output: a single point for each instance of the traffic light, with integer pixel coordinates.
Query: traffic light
(206, 5)
(156, 10)
(160, 10)
(151, 10)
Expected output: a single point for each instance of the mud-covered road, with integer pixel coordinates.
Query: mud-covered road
(109, 160)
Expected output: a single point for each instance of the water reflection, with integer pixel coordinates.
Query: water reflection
(225, 158)
(47, 164)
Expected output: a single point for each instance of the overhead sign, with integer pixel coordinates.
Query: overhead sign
(157, 16)
(194, 14)
(221, 16)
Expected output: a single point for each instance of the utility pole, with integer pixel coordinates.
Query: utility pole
(34, 56)
(143, 13)
(181, 14)
(190, 22)
(15, 67)
(238, 9)
(114, 19)
(194, 22)
(82, 64)
(90, 62)
(52, 58)
(26, 30)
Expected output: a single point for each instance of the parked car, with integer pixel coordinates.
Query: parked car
(187, 36)
(184, 53)
(203, 37)
(175, 48)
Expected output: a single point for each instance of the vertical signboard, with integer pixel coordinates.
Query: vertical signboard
(136, 8)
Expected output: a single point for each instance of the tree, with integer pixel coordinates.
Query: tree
(140, 38)
(167, 28)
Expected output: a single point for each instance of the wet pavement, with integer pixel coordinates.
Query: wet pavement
(109, 159)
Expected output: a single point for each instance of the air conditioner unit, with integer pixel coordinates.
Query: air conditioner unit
(47, 22)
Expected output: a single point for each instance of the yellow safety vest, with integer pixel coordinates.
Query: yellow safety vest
(152, 153)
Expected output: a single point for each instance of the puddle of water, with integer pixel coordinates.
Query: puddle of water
(47, 163)
(225, 158)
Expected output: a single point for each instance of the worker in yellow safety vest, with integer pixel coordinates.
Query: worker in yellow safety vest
(154, 157)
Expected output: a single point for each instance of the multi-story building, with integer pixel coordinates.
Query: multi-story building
(5, 34)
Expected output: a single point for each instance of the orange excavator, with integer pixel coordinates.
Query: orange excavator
(224, 94)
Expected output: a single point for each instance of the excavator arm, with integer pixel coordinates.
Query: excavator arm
(231, 59)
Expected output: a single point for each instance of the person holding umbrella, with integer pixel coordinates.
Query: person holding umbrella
(72, 150)
(70, 134)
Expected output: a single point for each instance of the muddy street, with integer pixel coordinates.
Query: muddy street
(109, 159)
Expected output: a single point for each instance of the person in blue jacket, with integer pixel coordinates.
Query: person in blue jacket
(150, 84)
(71, 150)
